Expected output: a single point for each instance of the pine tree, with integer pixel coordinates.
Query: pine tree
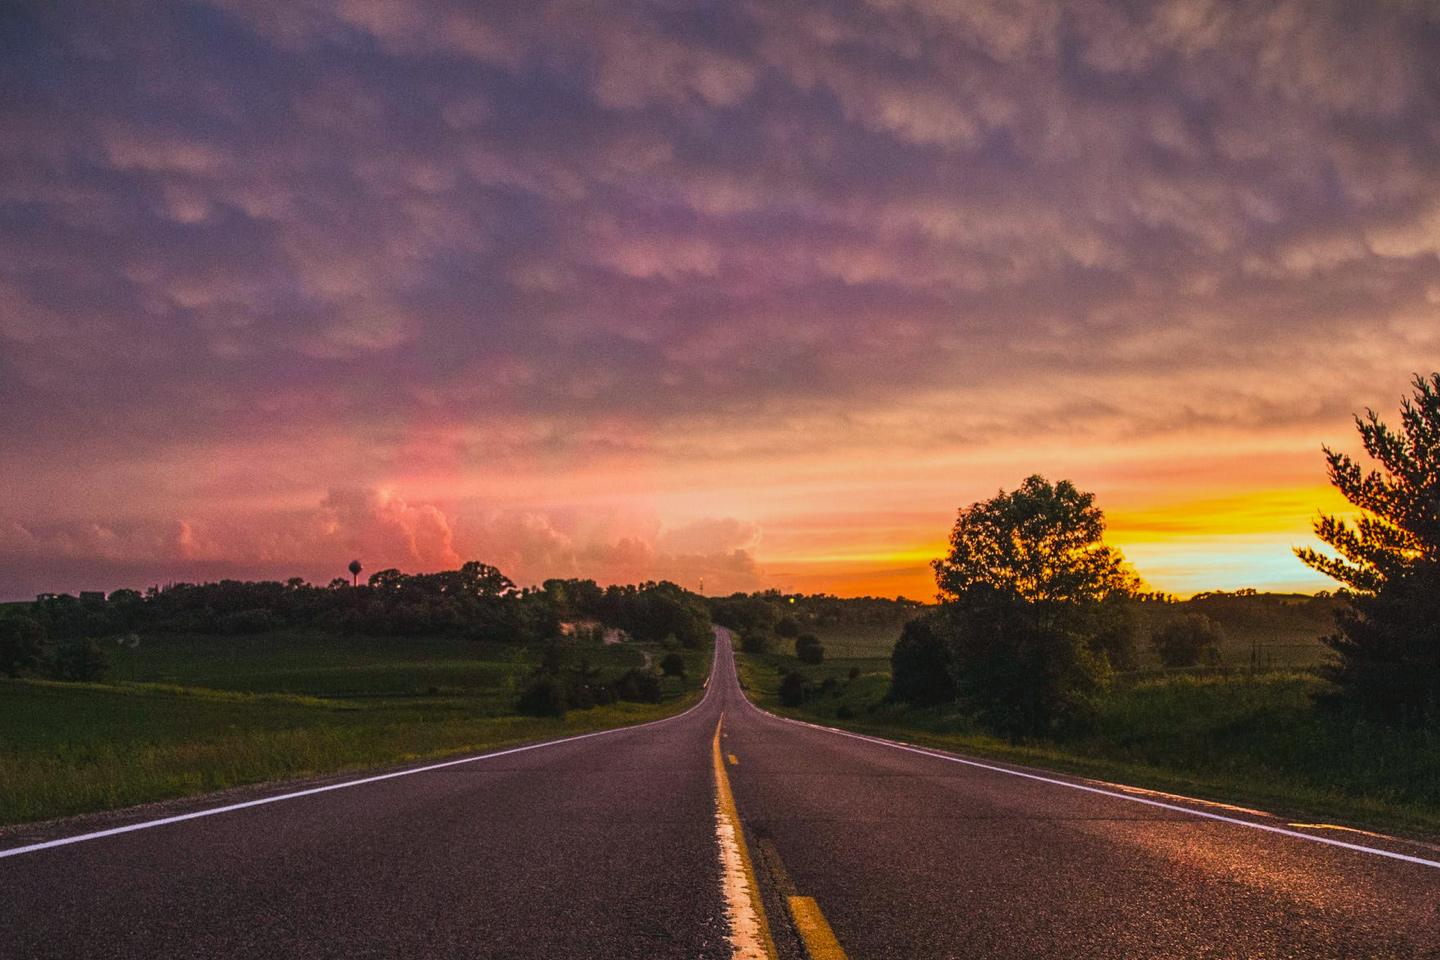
(1388, 644)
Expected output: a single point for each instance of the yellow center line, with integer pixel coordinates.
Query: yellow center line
(749, 930)
(820, 942)
(733, 761)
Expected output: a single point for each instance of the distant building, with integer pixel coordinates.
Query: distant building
(42, 597)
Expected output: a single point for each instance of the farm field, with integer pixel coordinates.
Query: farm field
(181, 715)
(1244, 732)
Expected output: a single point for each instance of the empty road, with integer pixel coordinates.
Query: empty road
(626, 844)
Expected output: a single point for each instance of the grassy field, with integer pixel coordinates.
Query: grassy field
(1234, 735)
(184, 715)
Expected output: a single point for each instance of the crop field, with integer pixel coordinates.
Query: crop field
(1246, 731)
(187, 714)
(1265, 631)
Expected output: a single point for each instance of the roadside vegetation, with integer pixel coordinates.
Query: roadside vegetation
(1043, 649)
(185, 696)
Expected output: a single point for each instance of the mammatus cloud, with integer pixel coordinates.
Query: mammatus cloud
(252, 251)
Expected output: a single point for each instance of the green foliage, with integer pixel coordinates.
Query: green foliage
(809, 649)
(546, 695)
(653, 611)
(755, 641)
(21, 646)
(673, 665)
(1388, 644)
(1186, 641)
(1034, 606)
(744, 614)
(1041, 544)
(795, 689)
(787, 627)
(79, 660)
(920, 663)
(640, 686)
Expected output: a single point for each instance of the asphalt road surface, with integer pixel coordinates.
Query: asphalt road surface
(613, 845)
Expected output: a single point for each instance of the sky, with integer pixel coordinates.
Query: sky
(753, 293)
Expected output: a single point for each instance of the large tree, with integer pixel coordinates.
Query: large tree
(1388, 644)
(1032, 614)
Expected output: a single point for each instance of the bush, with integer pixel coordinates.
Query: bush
(920, 670)
(794, 689)
(787, 628)
(672, 665)
(640, 686)
(21, 646)
(79, 660)
(755, 642)
(544, 696)
(809, 649)
(1186, 641)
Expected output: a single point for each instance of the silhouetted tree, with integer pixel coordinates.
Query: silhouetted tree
(1035, 605)
(1388, 644)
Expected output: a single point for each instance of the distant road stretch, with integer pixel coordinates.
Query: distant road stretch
(723, 832)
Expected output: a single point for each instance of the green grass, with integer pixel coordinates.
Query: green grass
(185, 715)
(1278, 630)
(1239, 738)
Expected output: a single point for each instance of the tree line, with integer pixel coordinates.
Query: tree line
(1035, 609)
(60, 635)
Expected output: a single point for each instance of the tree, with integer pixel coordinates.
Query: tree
(794, 689)
(1034, 605)
(809, 649)
(1185, 641)
(80, 660)
(1388, 641)
(673, 665)
(21, 645)
(920, 669)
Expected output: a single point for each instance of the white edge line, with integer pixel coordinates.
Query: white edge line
(1112, 793)
(147, 824)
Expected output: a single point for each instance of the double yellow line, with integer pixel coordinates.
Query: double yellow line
(815, 932)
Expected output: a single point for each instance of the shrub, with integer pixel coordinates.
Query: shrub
(1184, 642)
(640, 686)
(79, 660)
(920, 663)
(809, 649)
(543, 696)
(21, 646)
(794, 689)
(755, 641)
(672, 665)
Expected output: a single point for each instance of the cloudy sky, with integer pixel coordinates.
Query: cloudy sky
(757, 292)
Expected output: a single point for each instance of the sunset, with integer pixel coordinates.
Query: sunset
(746, 292)
(726, 479)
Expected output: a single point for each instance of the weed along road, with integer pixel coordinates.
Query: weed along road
(722, 832)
